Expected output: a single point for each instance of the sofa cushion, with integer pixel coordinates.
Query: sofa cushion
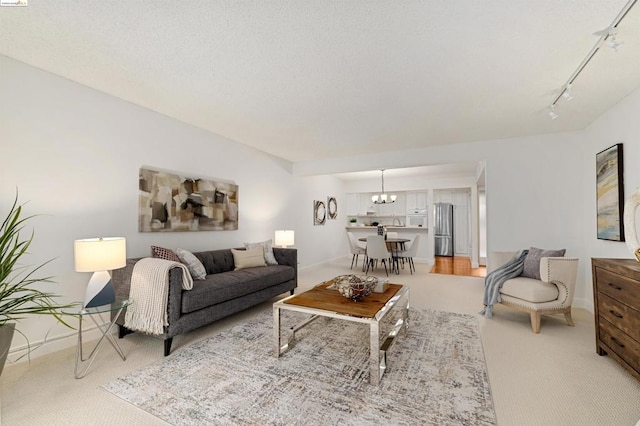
(529, 289)
(218, 288)
(532, 261)
(267, 247)
(216, 261)
(250, 258)
(196, 268)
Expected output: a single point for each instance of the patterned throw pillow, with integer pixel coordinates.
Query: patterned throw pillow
(195, 267)
(532, 261)
(250, 258)
(164, 253)
(267, 250)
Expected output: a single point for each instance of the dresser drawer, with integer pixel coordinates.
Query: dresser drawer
(623, 317)
(624, 346)
(625, 289)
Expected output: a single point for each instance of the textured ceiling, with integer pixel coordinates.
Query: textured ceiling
(305, 80)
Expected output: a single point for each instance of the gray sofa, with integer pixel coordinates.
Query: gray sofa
(222, 293)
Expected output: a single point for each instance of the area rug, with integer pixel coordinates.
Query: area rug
(435, 375)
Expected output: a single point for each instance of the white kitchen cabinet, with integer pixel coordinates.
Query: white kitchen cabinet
(352, 202)
(365, 204)
(416, 201)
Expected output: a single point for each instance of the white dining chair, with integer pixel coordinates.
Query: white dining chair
(356, 249)
(410, 253)
(377, 250)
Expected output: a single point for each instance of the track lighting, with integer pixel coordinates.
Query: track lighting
(612, 43)
(566, 94)
(607, 36)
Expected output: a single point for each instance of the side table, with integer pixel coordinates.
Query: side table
(83, 364)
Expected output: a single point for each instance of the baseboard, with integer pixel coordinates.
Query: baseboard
(584, 304)
(49, 345)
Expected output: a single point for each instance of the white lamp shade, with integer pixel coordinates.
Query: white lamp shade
(284, 238)
(100, 254)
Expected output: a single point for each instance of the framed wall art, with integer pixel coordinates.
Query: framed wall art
(173, 202)
(332, 207)
(610, 193)
(319, 212)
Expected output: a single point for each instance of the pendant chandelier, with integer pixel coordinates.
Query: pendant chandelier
(383, 198)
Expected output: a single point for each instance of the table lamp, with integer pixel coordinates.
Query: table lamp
(284, 238)
(99, 255)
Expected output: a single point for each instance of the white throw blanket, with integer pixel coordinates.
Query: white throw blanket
(149, 292)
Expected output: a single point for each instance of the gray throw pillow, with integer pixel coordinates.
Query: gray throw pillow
(193, 264)
(532, 261)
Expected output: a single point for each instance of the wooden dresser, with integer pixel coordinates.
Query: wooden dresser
(616, 293)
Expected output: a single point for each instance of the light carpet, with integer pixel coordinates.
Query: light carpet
(435, 374)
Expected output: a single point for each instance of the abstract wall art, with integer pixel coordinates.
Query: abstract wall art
(332, 207)
(173, 202)
(609, 193)
(319, 212)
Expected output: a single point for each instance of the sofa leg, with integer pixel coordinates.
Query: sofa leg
(535, 322)
(567, 316)
(123, 331)
(292, 292)
(167, 346)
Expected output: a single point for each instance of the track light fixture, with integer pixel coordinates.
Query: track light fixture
(567, 93)
(607, 36)
(611, 39)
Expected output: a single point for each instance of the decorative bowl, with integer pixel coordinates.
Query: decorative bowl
(355, 287)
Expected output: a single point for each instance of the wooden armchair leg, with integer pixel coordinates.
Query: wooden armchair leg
(567, 316)
(535, 322)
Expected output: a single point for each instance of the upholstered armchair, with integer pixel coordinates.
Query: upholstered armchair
(552, 294)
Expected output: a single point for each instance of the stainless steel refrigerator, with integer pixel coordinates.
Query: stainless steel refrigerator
(443, 229)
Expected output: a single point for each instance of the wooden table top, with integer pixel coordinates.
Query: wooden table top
(321, 297)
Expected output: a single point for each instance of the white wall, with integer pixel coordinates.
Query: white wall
(74, 155)
(619, 124)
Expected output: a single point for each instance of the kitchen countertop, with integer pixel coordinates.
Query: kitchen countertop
(390, 228)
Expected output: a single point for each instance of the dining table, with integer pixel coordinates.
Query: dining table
(395, 244)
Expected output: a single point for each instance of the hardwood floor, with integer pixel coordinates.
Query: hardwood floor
(457, 266)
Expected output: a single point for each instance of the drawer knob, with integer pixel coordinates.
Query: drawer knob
(615, 286)
(617, 342)
(615, 314)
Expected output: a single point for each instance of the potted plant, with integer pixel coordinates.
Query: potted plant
(18, 298)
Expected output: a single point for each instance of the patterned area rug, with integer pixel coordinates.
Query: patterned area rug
(435, 375)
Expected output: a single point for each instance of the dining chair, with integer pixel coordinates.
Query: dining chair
(377, 250)
(356, 249)
(410, 253)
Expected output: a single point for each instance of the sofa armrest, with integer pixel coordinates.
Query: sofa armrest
(121, 279)
(563, 272)
(287, 256)
(498, 258)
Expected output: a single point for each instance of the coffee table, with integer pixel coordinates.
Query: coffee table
(322, 301)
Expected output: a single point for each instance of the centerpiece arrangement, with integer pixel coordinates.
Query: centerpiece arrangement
(355, 287)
